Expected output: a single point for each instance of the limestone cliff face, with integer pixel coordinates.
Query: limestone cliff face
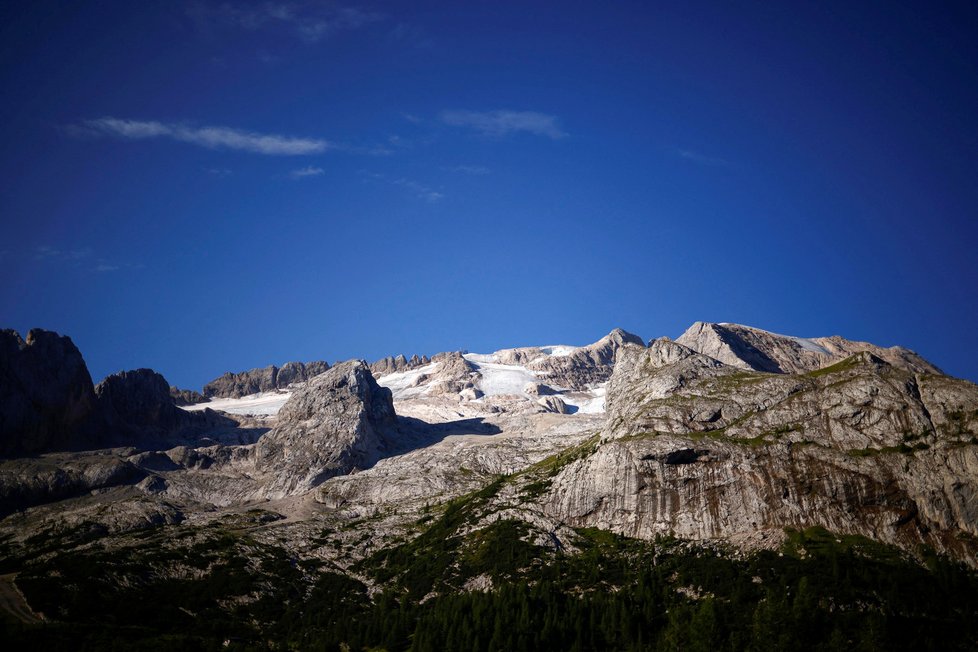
(699, 449)
(264, 379)
(47, 401)
(137, 409)
(579, 367)
(333, 425)
(758, 350)
(398, 364)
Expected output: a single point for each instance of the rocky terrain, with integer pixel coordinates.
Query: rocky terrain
(730, 437)
(265, 379)
(183, 397)
(758, 350)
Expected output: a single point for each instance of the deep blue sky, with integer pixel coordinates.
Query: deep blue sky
(199, 187)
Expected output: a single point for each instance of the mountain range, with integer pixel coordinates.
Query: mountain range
(416, 478)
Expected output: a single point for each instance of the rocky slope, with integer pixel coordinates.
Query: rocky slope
(333, 425)
(699, 449)
(264, 379)
(568, 366)
(758, 350)
(683, 444)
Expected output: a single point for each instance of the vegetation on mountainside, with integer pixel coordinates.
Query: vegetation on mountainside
(820, 592)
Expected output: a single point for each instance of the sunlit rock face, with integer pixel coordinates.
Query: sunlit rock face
(264, 379)
(759, 350)
(334, 424)
(699, 449)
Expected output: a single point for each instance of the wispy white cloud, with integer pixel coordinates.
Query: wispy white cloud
(412, 34)
(469, 169)
(419, 190)
(47, 252)
(81, 258)
(702, 159)
(211, 137)
(219, 172)
(503, 122)
(308, 171)
(410, 117)
(309, 20)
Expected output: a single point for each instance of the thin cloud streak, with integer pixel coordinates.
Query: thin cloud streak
(77, 258)
(210, 137)
(419, 190)
(503, 122)
(702, 159)
(309, 21)
(306, 172)
(469, 169)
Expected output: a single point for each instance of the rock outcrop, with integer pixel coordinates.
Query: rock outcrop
(334, 424)
(584, 366)
(397, 364)
(47, 401)
(137, 409)
(699, 449)
(35, 481)
(186, 396)
(758, 350)
(264, 379)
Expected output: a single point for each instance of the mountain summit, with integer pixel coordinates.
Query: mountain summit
(759, 350)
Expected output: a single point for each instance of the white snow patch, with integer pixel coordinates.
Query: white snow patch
(402, 383)
(481, 357)
(559, 350)
(589, 402)
(809, 345)
(501, 379)
(263, 403)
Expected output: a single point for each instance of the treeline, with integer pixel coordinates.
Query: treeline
(821, 592)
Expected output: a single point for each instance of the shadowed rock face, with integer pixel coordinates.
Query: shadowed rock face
(186, 396)
(47, 401)
(758, 350)
(264, 379)
(137, 408)
(699, 449)
(334, 424)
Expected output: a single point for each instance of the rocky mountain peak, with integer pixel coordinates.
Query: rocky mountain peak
(46, 394)
(753, 349)
(332, 425)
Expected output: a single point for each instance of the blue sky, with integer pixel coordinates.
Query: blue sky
(203, 187)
